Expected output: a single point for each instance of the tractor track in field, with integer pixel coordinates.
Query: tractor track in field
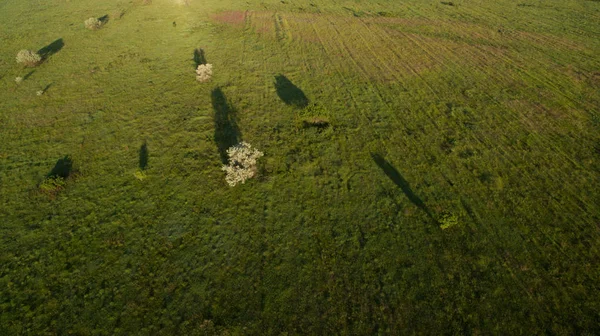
(247, 30)
(282, 29)
(368, 88)
(407, 66)
(545, 139)
(268, 201)
(380, 65)
(477, 51)
(372, 89)
(506, 155)
(395, 74)
(492, 75)
(366, 75)
(420, 45)
(305, 64)
(540, 39)
(350, 93)
(549, 41)
(538, 22)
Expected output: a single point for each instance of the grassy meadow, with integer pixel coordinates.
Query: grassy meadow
(429, 168)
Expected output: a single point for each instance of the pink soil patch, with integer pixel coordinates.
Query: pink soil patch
(231, 17)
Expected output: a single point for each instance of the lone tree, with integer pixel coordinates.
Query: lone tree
(29, 58)
(204, 72)
(242, 163)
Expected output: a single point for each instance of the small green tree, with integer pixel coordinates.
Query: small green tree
(448, 220)
(52, 184)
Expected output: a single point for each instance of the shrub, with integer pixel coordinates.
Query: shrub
(242, 163)
(140, 175)
(204, 72)
(448, 220)
(28, 58)
(51, 185)
(385, 14)
(93, 23)
(318, 122)
(314, 115)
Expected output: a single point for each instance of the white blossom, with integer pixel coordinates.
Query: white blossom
(204, 72)
(28, 58)
(92, 23)
(242, 163)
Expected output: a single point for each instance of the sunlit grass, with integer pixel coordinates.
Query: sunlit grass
(427, 168)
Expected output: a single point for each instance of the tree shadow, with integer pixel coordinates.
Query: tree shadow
(46, 88)
(397, 178)
(143, 161)
(469, 211)
(28, 74)
(104, 19)
(289, 93)
(227, 133)
(63, 168)
(199, 57)
(51, 48)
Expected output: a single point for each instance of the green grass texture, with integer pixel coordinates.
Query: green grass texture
(430, 168)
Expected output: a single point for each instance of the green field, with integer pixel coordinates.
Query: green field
(429, 168)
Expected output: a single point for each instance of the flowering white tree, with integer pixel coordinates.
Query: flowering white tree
(242, 163)
(204, 72)
(28, 58)
(93, 23)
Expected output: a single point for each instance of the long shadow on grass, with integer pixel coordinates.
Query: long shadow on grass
(28, 74)
(227, 132)
(143, 162)
(104, 19)
(199, 57)
(46, 88)
(289, 93)
(62, 168)
(397, 178)
(51, 48)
